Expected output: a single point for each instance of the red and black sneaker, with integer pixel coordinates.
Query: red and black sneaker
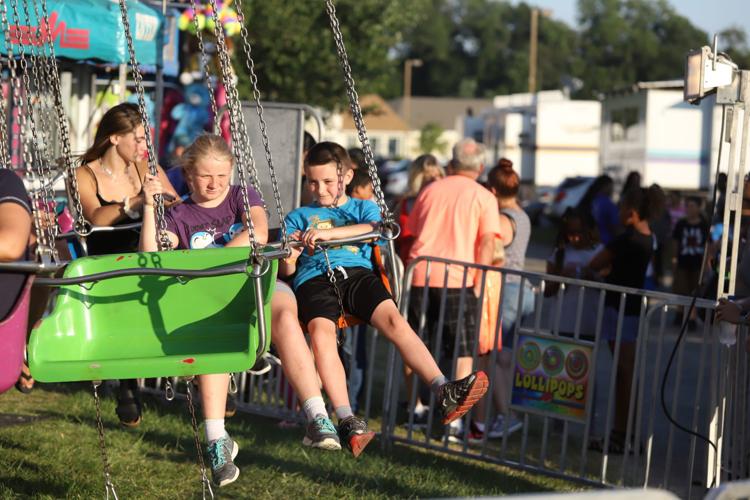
(354, 434)
(457, 397)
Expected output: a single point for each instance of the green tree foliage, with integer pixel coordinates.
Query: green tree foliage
(295, 55)
(429, 139)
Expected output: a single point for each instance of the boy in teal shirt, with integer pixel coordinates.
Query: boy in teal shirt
(335, 216)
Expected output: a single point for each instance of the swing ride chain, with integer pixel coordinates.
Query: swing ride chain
(28, 150)
(206, 71)
(239, 140)
(356, 111)
(250, 64)
(15, 83)
(206, 484)
(233, 100)
(331, 272)
(44, 169)
(164, 242)
(62, 117)
(108, 486)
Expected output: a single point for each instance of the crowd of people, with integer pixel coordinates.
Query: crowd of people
(458, 212)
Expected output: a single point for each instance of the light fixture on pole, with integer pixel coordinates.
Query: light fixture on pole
(408, 65)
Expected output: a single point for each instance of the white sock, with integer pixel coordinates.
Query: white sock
(420, 408)
(479, 426)
(313, 407)
(214, 429)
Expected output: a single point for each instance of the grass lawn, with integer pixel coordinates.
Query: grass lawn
(48, 449)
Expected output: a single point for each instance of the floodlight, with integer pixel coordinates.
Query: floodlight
(705, 72)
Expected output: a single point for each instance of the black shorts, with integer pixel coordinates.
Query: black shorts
(455, 327)
(361, 292)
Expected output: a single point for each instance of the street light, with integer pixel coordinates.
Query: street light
(408, 65)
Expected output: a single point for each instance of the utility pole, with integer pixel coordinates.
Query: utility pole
(533, 38)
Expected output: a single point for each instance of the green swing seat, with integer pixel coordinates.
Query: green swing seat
(151, 326)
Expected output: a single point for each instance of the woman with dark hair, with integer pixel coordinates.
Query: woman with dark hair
(110, 179)
(632, 181)
(110, 182)
(598, 205)
(510, 253)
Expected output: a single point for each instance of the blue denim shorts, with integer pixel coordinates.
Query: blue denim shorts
(510, 308)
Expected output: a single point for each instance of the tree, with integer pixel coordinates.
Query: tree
(429, 139)
(295, 56)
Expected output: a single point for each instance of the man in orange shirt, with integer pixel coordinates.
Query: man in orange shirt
(453, 218)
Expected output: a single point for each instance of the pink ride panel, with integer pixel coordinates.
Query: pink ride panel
(13, 339)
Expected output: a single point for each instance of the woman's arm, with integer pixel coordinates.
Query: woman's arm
(601, 261)
(15, 230)
(506, 230)
(149, 241)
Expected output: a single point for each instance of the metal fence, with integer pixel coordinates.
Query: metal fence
(706, 390)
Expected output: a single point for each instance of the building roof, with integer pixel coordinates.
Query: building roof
(440, 110)
(378, 115)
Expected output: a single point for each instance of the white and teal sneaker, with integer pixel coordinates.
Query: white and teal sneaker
(321, 434)
(221, 453)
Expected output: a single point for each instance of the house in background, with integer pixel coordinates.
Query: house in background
(456, 117)
(388, 133)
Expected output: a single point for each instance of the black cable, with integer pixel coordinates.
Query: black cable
(696, 292)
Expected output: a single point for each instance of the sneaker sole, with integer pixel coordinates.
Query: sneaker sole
(131, 425)
(235, 450)
(359, 442)
(230, 413)
(478, 388)
(326, 444)
(229, 480)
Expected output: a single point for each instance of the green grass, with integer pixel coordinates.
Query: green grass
(53, 453)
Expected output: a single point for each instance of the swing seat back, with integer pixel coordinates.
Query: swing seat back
(13, 338)
(151, 326)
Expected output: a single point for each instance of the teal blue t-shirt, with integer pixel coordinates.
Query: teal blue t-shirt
(354, 211)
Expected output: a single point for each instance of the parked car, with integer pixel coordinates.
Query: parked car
(568, 194)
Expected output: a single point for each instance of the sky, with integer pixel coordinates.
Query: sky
(711, 16)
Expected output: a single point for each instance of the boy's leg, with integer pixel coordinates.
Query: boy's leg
(455, 398)
(299, 368)
(352, 430)
(221, 448)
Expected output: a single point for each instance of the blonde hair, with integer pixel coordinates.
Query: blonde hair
(203, 146)
(417, 170)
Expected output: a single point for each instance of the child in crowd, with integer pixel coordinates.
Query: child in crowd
(361, 186)
(214, 216)
(690, 235)
(627, 257)
(332, 216)
(577, 244)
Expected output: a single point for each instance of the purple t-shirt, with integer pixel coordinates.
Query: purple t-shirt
(201, 227)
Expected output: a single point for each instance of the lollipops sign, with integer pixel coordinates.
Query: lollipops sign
(551, 376)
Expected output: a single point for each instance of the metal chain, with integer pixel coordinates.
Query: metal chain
(30, 152)
(206, 70)
(356, 111)
(205, 483)
(250, 64)
(62, 117)
(239, 133)
(239, 140)
(164, 242)
(108, 486)
(332, 279)
(43, 139)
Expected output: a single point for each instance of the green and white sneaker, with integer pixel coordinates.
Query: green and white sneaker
(321, 434)
(221, 453)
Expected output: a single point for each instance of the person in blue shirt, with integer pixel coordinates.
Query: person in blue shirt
(333, 216)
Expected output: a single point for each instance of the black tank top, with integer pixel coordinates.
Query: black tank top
(109, 242)
(11, 284)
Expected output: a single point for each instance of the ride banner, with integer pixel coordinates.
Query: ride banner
(552, 376)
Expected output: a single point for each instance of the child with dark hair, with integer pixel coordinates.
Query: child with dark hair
(361, 186)
(690, 235)
(357, 290)
(627, 257)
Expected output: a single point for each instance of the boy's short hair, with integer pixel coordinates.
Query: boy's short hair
(361, 179)
(326, 152)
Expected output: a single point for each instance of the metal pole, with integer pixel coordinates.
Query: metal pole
(533, 37)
